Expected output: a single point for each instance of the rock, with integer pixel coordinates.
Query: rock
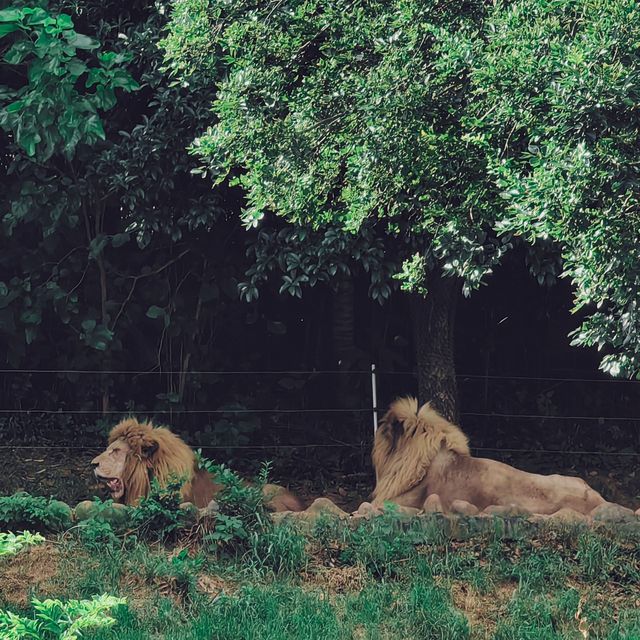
(63, 513)
(505, 511)
(463, 508)
(322, 506)
(432, 504)
(210, 511)
(567, 516)
(86, 509)
(368, 510)
(279, 516)
(538, 519)
(115, 514)
(611, 513)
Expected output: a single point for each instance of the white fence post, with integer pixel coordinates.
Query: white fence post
(374, 398)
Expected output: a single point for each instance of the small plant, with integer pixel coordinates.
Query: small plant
(381, 545)
(96, 534)
(242, 511)
(596, 556)
(54, 619)
(282, 549)
(23, 511)
(176, 574)
(11, 543)
(159, 515)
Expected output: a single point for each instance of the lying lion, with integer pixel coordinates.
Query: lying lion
(417, 454)
(139, 452)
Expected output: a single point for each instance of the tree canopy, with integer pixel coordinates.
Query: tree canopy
(455, 130)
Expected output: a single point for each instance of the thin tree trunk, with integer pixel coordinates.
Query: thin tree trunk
(433, 320)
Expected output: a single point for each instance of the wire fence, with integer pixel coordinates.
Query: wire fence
(372, 410)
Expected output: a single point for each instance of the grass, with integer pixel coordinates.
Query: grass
(381, 581)
(241, 577)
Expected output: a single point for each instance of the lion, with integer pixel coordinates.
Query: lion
(418, 453)
(139, 452)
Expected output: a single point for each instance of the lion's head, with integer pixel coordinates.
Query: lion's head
(406, 443)
(138, 452)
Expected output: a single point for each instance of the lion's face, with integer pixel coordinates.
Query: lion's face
(110, 467)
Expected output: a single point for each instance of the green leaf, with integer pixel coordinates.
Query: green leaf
(7, 28)
(155, 312)
(88, 325)
(94, 126)
(81, 42)
(64, 21)
(97, 245)
(11, 15)
(16, 106)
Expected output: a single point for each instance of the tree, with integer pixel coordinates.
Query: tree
(106, 259)
(443, 132)
(560, 83)
(351, 116)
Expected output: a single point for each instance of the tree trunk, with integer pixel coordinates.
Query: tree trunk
(433, 319)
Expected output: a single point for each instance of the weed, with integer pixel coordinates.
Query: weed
(56, 619)
(381, 545)
(596, 556)
(432, 614)
(158, 516)
(241, 508)
(22, 511)
(11, 543)
(281, 549)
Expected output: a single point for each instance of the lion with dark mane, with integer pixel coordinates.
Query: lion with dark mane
(140, 452)
(417, 454)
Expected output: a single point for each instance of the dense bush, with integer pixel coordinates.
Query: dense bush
(22, 511)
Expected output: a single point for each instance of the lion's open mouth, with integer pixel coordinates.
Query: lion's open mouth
(115, 486)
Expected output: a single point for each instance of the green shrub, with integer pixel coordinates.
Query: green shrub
(179, 571)
(242, 511)
(158, 516)
(23, 511)
(55, 619)
(11, 543)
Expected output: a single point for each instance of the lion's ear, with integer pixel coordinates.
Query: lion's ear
(149, 448)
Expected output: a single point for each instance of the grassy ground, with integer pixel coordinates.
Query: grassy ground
(383, 580)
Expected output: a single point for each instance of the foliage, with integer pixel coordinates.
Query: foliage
(180, 570)
(54, 619)
(108, 245)
(432, 587)
(559, 88)
(381, 546)
(280, 549)
(416, 117)
(11, 543)
(23, 511)
(242, 512)
(327, 112)
(158, 515)
(49, 113)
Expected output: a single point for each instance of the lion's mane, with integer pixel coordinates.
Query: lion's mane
(156, 453)
(406, 443)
